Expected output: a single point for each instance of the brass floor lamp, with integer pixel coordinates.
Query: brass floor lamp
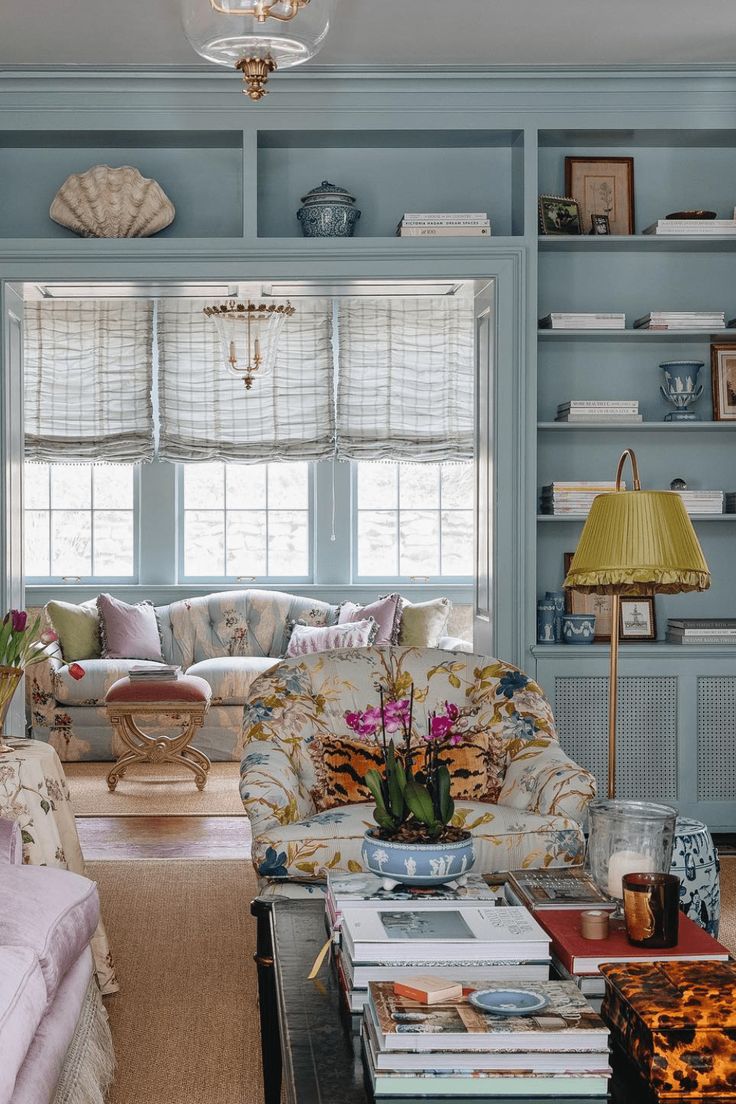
(634, 543)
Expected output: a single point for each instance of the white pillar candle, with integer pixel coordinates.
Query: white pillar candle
(626, 862)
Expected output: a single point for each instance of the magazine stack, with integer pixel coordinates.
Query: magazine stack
(394, 935)
(701, 630)
(682, 320)
(583, 320)
(603, 411)
(459, 1049)
(574, 499)
(703, 502)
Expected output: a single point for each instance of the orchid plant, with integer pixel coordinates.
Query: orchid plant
(412, 793)
(20, 639)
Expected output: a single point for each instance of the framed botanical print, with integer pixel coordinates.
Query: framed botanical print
(577, 601)
(723, 376)
(603, 186)
(636, 619)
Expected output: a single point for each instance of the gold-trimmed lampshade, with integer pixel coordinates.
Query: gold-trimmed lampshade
(638, 543)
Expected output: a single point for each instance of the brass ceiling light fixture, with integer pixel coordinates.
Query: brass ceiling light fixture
(257, 36)
(249, 336)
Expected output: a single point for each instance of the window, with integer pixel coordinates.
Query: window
(413, 520)
(246, 521)
(80, 521)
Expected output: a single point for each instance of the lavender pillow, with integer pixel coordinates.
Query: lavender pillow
(306, 639)
(386, 612)
(128, 632)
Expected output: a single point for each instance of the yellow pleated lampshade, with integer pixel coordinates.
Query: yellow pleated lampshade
(638, 542)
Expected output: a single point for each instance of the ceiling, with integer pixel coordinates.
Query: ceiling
(411, 33)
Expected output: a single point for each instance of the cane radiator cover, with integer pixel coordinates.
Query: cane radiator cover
(677, 1021)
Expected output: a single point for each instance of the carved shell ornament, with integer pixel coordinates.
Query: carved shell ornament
(112, 203)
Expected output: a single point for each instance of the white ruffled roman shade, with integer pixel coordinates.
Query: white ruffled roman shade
(87, 381)
(406, 380)
(205, 412)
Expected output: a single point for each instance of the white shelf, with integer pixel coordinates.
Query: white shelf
(636, 335)
(606, 243)
(639, 427)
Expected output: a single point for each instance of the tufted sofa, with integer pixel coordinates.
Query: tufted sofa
(299, 705)
(228, 638)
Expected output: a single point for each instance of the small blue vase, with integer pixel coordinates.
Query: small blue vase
(546, 621)
(558, 597)
(681, 388)
(578, 628)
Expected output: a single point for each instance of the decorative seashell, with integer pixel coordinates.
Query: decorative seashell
(112, 203)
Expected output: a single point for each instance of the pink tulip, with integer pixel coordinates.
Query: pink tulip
(48, 636)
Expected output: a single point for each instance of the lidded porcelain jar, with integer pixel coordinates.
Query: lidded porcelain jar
(328, 212)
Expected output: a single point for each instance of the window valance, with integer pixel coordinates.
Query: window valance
(406, 379)
(87, 382)
(205, 413)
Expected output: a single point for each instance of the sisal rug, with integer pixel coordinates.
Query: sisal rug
(727, 933)
(150, 789)
(185, 1023)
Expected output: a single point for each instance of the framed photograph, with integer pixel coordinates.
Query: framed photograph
(559, 215)
(601, 225)
(603, 186)
(577, 601)
(723, 376)
(636, 620)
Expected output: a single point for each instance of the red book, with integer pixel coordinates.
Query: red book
(584, 956)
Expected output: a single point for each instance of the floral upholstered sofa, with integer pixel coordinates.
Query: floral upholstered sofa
(228, 638)
(534, 797)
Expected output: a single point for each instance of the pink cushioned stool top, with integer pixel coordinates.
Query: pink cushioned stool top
(188, 689)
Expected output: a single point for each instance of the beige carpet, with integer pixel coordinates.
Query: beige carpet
(153, 790)
(185, 1022)
(727, 933)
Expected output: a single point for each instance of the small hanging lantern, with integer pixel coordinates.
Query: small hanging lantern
(249, 334)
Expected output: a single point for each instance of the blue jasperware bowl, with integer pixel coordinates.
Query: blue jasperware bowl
(424, 864)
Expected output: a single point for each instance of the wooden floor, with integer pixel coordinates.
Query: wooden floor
(188, 837)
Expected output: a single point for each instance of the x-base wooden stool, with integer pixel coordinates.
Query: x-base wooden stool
(185, 699)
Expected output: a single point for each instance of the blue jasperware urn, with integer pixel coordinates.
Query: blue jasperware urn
(328, 212)
(681, 388)
(421, 864)
(578, 628)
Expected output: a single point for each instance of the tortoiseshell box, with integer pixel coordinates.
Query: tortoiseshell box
(677, 1022)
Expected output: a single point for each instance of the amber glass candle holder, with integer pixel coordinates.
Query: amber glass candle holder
(652, 909)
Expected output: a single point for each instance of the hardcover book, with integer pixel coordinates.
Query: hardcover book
(677, 1022)
(349, 891)
(584, 956)
(558, 889)
(567, 1023)
(385, 934)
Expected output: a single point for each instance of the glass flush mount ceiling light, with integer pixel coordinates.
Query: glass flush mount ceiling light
(257, 36)
(249, 336)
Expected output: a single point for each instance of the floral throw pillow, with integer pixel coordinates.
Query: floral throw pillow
(306, 639)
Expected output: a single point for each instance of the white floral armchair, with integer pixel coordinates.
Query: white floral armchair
(297, 707)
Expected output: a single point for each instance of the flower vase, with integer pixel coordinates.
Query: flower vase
(9, 679)
(418, 864)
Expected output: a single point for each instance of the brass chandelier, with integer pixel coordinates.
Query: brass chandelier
(257, 36)
(249, 335)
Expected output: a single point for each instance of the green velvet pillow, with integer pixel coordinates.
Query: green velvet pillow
(78, 628)
(424, 623)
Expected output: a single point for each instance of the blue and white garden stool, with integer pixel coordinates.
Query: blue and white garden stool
(695, 862)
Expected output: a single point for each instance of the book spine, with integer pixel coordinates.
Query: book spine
(705, 623)
(444, 232)
(445, 222)
(599, 404)
(413, 216)
(730, 640)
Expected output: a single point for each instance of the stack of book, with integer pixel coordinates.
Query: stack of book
(448, 939)
(448, 225)
(453, 1050)
(599, 410)
(578, 960)
(701, 630)
(692, 226)
(682, 320)
(583, 321)
(572, 499)
(164, 672)
(703, 502)
(729, 502)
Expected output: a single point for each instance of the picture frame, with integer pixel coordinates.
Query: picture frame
(559, 215)
(723, 381)
(600, 224)
(603, 186)
(637, 619)
(599, 605)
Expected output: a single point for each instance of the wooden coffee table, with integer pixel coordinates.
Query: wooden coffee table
(309, 1051)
